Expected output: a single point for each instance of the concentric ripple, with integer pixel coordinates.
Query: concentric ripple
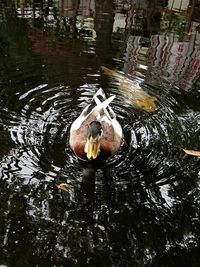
(140, 207)
(156, 139)
(38, 126)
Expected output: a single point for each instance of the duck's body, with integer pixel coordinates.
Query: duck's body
(96, 133)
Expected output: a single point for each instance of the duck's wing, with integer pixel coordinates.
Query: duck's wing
(99, 101)
(102, 102)
(100, 95)
(99, 105)
(108, 116)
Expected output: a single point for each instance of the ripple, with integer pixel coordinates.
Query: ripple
(38, 128)
(150, 185)
(39, 87)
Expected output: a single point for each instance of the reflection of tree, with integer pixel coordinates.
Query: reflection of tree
(73, 22)
(193, 13)
(126, 223)
(12, 47)
(103, 25)
(127, 219)
(17, 230)
(146, 16)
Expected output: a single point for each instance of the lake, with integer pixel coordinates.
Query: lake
(139, 208)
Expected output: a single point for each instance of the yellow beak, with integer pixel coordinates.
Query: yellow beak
(93, 147)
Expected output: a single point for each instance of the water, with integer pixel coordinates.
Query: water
(140, 208)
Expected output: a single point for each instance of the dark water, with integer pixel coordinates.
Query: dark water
(143, 206)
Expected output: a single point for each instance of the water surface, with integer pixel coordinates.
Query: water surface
(141, 207)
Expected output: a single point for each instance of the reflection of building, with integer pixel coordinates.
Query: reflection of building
(144, 17)
(66, 8)
(119, 22)
(132, 54)
(166, 60)
(178, 4)
(177, 62)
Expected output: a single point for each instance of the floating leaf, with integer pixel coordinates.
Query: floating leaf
(13, 153)
(124, 143)
(63, 187)
(192, 152)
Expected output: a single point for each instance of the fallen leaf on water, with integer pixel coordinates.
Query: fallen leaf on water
(124, 143)
(192, 152)
(63, 187)
(13, 153)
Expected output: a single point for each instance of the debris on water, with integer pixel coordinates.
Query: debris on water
(192, 152)
(63, 186)
(13, 153)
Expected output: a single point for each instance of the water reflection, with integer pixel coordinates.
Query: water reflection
(141, 208)
(180, 61)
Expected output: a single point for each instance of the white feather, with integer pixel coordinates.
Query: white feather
(105, 103)
(106, 117)
(77, 123)
(117, 127)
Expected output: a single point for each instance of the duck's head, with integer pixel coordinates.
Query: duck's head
(92, 147)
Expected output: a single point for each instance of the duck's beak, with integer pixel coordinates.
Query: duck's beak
(93, 147)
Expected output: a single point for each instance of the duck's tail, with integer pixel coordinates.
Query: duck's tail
(102, 103)
(101, 100)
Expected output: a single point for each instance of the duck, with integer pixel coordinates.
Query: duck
(96, 133)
